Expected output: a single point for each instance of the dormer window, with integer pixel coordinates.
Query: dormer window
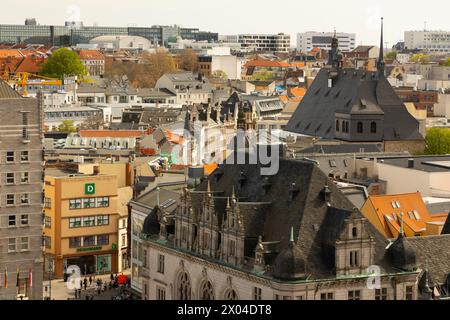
(373, 127)
(354, 232)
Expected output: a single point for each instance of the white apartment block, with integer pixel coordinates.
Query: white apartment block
(266, 42)
(433, 41)
(307, 41)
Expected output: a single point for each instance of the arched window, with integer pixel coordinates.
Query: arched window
(206, 291)
(354, 232)
(346, 126)
(373, 127)
(230, 294)
(337, 125)
(183, 286)
(359, 127)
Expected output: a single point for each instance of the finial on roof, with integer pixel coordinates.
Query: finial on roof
(401, 224)
(157, 196)
(380, 62)
(291, 238)
(233, 194)
(228, 202)
(208, 189)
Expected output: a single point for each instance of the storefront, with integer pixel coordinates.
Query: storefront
(90, 263)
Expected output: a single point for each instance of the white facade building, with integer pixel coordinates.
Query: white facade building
(222, 59)
(122, 42)
(307, 41)
(266, 42)
(434, 41)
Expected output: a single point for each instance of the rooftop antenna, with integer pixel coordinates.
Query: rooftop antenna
(425, 26)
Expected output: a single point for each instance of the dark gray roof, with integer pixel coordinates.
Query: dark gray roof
(6, 92)
(354, 92)
(436, 251)
(316, 224)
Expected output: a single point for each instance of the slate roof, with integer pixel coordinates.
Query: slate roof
(422, 163)
(6, 92)
(436, 250)
(271, 213)
(354, 92)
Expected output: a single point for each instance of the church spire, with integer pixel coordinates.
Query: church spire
(380, 63)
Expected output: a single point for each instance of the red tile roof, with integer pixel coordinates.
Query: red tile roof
(91, 55)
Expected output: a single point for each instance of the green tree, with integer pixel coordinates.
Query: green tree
(263, 75)
(220, 74)
(63, 62)
(420, 58)
(438, 141)
(67, 126)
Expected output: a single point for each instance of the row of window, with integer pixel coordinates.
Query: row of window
(18, 244)
(86, 203)
(91, 221)
(89, 241)
(18, 220)
(380, 294)
(11, 156)
(11, 178)
(344, 126)
(19, 199)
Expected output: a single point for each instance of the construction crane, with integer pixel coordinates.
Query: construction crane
(23, 79)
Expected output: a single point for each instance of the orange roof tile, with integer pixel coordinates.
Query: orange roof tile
(415, 214)
(174, 138)
(209, 168)
(298, 92)
(91, 55)
(110, 133)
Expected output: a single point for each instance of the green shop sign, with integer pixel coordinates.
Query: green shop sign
(89, 249)
(89, 188)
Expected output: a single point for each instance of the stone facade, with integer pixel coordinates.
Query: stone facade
(21, 224)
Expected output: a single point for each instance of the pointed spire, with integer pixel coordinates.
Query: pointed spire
(228, 203)
(380, 63)
(233, 194)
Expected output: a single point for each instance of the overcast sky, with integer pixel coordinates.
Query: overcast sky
(243, 16)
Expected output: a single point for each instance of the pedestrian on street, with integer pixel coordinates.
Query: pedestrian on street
(112, 277)
(76, 294)
(85, 283)
(81, 283)
(90, 280)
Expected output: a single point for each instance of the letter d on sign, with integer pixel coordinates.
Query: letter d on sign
(89, 188)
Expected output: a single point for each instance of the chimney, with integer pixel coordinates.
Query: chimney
(410, 163)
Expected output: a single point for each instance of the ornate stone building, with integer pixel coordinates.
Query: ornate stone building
(293, 235)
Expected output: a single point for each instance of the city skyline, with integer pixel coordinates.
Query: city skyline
(363, 19)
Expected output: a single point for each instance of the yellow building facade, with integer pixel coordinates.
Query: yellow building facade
(81, 222)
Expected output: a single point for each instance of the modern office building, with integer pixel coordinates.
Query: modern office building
(75, 34)
(434, 41)
(307, 41)
(21, 170)
(266, 42)
(81, 221)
